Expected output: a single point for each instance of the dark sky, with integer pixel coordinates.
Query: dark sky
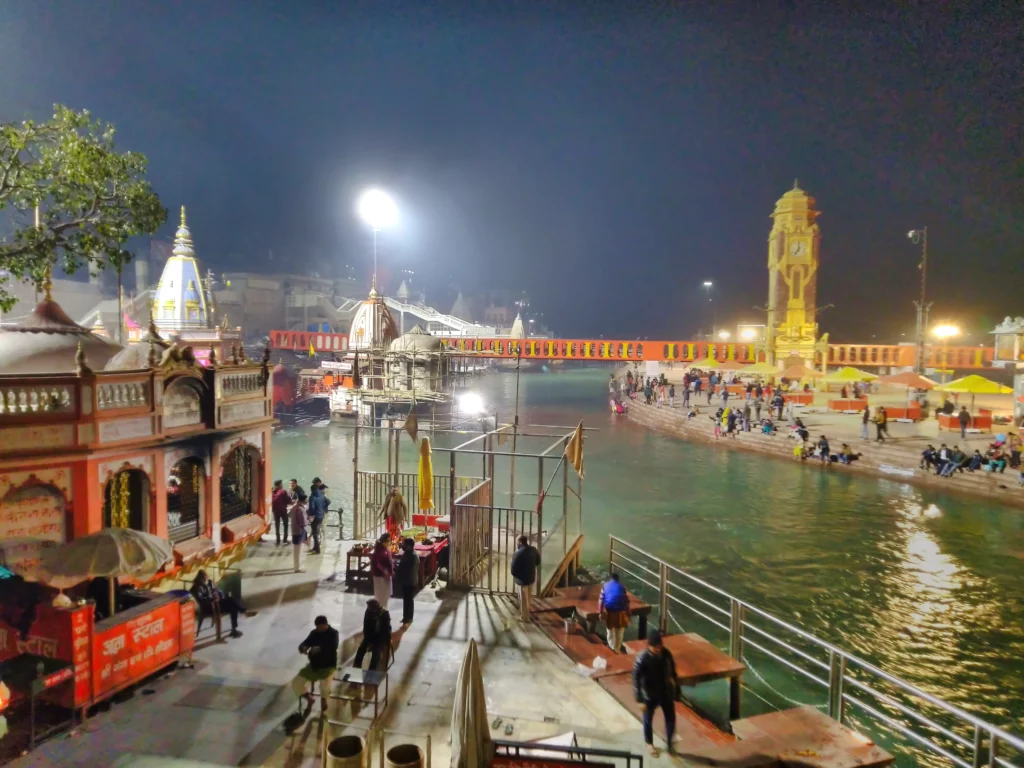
(606, 157)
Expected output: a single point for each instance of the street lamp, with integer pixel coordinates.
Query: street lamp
(945, 332)
(379, 211)
(723, 335)
(749, 334)
(921, 236)
(708, 285)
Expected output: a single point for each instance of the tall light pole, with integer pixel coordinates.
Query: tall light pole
(708, 285)
(945, 332)
(921, 236)
(378, 210)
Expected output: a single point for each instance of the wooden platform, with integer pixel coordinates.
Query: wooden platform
(584, 602)
(697, 660)
(804, 737)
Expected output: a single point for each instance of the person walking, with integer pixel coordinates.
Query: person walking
(376, 634)
(382, 568)
(881, 424)
(864, 419)
(524, 572)
(671, 395)
(297, 511)
(965, 421)
(321, 650)
(613, 606)
(279, 501)
(318, 504)
(408, 573)
(655, 685)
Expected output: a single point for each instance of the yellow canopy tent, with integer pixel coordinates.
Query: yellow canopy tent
(758, 369)
(975, 385)
(425, 477)
(847, 375)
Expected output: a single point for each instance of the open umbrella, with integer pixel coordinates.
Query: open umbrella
(800, 371)
(731, 365)
(704, 362)
(108, 553)
(975, 385)
(909, 379)
(847, 375)
(471, 738)
(425, 477)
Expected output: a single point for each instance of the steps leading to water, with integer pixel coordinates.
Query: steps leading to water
(890, 461)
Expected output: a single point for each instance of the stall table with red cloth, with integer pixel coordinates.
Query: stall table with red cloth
(911, 412)
(845, 406)
(440, 522)
(428, 553)
(981, 421)
(798, 398)
(109, 655)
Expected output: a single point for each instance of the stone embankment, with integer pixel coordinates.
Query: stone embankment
(890, 460)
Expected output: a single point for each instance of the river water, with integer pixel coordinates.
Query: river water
(928, 586)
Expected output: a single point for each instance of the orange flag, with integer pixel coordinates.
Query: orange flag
(574, 450)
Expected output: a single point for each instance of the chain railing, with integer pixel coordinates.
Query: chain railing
(904, 718)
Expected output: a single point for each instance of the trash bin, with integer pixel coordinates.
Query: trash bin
(404, 756)
(345, 752)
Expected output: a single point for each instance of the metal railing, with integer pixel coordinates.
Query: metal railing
(903, 717)
(373, 487)
(569, 752)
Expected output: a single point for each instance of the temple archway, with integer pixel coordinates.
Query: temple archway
(239, 483)
(186, 486)
(126, 500)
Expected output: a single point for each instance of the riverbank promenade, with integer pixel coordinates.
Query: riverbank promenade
(231, 708)
(896, 459)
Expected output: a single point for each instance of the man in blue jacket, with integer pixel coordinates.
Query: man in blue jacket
(318, 504)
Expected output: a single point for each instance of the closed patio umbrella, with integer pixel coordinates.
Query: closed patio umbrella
(471, 739)
(425, 478)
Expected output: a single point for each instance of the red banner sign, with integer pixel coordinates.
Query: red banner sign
(129, 651)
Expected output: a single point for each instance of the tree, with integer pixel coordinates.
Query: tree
(91, 198)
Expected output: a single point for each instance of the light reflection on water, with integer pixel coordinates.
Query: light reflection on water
(927, 586)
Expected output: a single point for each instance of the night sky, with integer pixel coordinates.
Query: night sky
(606, 157)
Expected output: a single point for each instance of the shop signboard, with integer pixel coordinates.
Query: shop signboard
(133, 649)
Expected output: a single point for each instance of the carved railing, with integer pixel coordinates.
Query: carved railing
(116, 395)
(48, 398)
(234, 385)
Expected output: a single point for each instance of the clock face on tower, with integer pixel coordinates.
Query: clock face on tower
(797, 249)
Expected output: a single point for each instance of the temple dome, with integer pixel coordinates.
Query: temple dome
(417, 340)
(47, 342)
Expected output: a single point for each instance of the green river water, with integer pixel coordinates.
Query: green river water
(927, 586)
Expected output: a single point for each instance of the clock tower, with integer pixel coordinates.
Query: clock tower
(793, 246)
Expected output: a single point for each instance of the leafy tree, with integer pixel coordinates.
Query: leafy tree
(91, 198)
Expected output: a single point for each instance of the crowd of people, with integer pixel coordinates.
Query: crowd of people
(293, 508)
(1002, 453)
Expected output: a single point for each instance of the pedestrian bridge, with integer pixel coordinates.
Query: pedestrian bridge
(622, 351)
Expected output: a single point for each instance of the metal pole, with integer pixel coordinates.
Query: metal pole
(565, 502)
(398, 439)
(836, 675)
(978, 735)
(356, 530)
(663, 598)
(736, 651)
(921, 306)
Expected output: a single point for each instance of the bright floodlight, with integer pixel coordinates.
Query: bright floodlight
(377, 209)
(723, 335)
(471, 402)
(708, 283)
(748, 333)
(946, 331)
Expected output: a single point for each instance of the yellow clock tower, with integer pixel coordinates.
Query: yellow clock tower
(793, 246)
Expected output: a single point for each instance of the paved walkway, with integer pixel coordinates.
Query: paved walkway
(230, 709)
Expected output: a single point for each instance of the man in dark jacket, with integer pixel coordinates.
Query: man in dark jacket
(279, 502)
(376, 634)
(655, 685)
(317, 508)
(524, 572)
(321, 648)
(408, 573)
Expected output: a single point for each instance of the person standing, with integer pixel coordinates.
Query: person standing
(318, 504)
(524, 572)
(279, 502)
(864, 419)
(746, 416)
(881, 424)
(613, 605)
(779, 402)
(294, 489)
(408, 578)
(321, 649)
(654, 685)
(965, 421)
(382, 568)
(671, 395)
(297, 512)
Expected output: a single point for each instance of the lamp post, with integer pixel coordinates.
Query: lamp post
(378, 210)
(945, 332)
(724, 335)
(921, 236)
(708, 285)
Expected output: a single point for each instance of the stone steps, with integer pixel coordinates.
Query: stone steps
(890, 461)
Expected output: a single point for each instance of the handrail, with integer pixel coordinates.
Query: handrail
(740, 612)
